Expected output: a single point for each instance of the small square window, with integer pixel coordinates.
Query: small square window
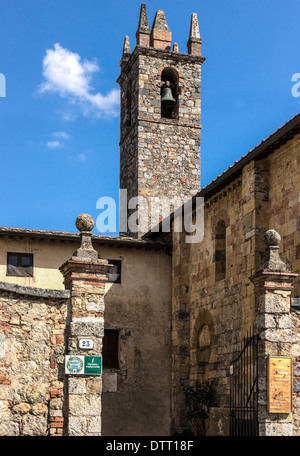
(114, 274)
(110, 350)
(19, 264)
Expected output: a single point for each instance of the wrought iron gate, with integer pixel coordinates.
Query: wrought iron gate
(244, 388)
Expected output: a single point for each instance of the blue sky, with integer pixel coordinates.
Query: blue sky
(60, 131)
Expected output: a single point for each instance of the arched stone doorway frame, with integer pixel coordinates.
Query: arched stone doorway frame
(203, 339)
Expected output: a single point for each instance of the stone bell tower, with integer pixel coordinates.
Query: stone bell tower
(160, 113)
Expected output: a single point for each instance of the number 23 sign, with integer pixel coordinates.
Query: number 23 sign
(86, 343)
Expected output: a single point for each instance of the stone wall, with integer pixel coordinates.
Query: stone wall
(210, 317)
(169, 149)
(202, 304)
(284, 212)
(32, 348)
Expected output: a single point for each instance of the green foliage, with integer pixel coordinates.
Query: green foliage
(198, 399)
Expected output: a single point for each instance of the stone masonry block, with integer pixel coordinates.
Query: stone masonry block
(296, 386)
(271, 303)
(87, 326)
(264, 321)
(284, 322)
(84, 405)
(76, 426)
(283, 336)
(276, 429)
(94, 426)
(296, 369)
(77, 385)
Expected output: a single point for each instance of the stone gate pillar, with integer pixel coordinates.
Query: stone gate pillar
(273, 286)
(85, 276)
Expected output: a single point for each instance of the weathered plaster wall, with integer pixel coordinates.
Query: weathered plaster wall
(48, 257)
(139, 401)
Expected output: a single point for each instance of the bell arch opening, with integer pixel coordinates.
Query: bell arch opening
(169, 93)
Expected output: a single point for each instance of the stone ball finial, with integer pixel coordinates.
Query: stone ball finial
(272, 238)
(85, 222)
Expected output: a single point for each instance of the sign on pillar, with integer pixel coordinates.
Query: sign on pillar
(83, 365)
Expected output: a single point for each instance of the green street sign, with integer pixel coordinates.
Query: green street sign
(93, 365)
(83, 365)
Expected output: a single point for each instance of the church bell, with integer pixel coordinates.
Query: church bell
(167, 97)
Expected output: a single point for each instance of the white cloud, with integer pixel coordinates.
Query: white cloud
(62, 135)
(59, 136)
(68, 75)
(82, 157)
(54, 144)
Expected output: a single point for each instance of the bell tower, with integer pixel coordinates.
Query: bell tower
(160, 113)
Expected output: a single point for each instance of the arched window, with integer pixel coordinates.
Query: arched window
(169, 93)
(203, 342)
(220, 251)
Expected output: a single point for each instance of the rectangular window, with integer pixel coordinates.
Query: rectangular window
(19, 264)
(110, 350)
(114, 274)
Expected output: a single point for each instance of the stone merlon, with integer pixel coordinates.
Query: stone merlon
(161, 36)
(194, 42)
(143, 32)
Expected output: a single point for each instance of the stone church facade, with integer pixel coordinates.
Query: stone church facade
(163, 313)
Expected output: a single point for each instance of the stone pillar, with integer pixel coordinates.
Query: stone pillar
(85, 276)
(255, 218)
(273, 286)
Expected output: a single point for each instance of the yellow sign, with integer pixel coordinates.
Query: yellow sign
(279, 384)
